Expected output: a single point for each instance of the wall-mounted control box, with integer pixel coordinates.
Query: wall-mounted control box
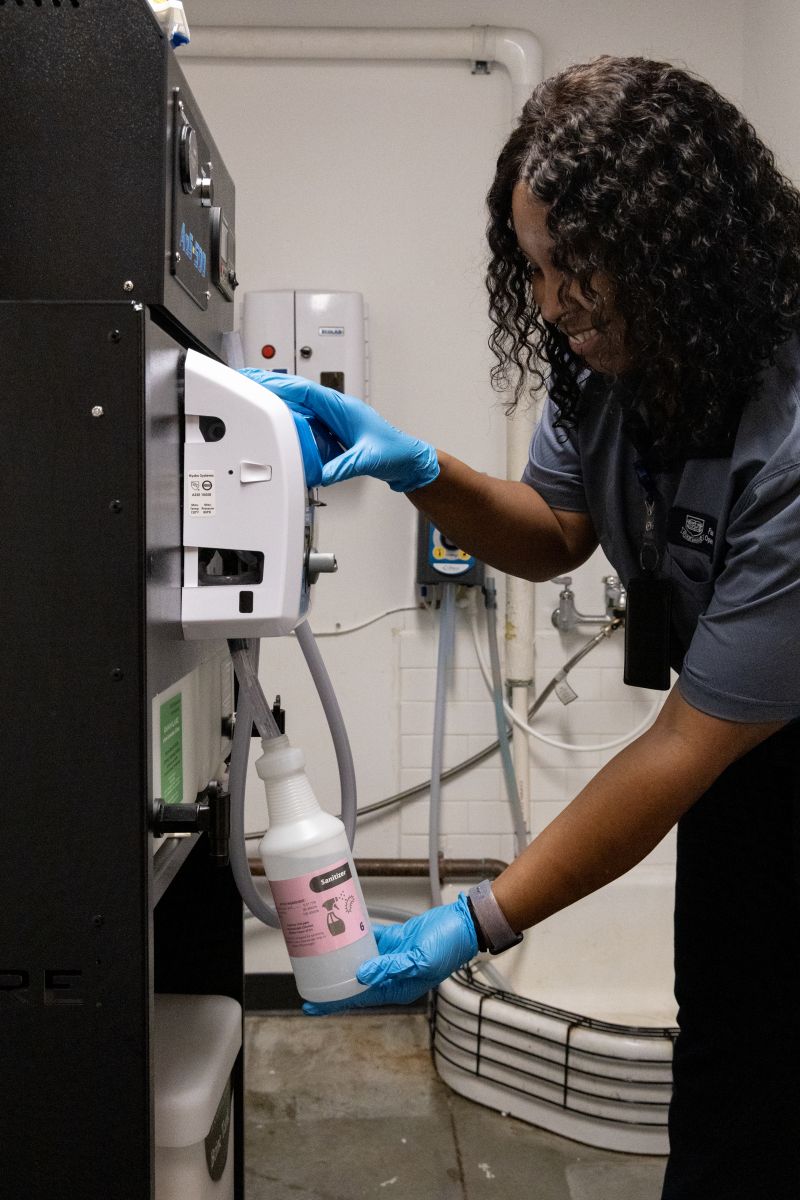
(319, 335)
(440, 561)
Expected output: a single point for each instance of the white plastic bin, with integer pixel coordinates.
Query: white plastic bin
(197, 1039)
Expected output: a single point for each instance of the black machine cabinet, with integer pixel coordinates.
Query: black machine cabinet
(112, 186)
(116, 254)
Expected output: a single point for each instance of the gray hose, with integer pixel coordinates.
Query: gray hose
(509, 774)
(447, 625)
(246, 666)
(333, 714)
(380, 912)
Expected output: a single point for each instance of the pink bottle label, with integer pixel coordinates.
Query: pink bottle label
(319, 912)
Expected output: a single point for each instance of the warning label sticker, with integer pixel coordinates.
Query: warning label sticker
(202, 498)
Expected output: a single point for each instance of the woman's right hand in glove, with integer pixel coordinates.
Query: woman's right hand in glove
(368, 444)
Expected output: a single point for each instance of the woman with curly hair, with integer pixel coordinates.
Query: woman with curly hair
(646, 270)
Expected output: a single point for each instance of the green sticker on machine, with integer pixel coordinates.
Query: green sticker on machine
(172, 751)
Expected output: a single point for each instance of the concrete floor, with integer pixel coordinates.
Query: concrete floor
(350, 1107)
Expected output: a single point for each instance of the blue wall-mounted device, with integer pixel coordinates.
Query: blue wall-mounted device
(440, 561)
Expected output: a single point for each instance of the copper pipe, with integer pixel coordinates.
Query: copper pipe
(416, 868)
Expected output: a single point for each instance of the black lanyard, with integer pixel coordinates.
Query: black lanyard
(647, 616)
(649, 552)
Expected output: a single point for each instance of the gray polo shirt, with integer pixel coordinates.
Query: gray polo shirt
(729, 529)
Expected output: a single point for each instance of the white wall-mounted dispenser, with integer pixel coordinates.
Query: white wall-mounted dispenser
(247, 514)
(319, 335)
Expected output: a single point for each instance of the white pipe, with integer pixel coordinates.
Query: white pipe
(520, 53)
(515, 49)
(520, 631)
(328, 43)
(520, 626)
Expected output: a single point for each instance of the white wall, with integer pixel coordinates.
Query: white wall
(372, 178)
(771, 78)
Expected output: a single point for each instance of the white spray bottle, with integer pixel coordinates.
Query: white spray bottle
(309, 867)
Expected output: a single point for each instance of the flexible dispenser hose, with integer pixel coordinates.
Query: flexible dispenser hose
(509, 774)
(447, 626)
(245, 663)
(333, 714)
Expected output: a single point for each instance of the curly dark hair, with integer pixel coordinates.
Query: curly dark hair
(656, 181)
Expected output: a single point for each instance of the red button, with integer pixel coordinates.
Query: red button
(267, 351)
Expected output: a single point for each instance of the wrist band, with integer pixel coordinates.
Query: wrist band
(478, 931)
(490, 923)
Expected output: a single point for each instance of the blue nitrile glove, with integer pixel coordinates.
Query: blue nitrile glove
(312, 459)
(371, 446)
(414, 957)
(317, 445)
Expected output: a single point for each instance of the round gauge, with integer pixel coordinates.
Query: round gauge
(190, 159)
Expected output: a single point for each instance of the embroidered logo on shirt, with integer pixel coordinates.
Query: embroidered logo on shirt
(694, 529)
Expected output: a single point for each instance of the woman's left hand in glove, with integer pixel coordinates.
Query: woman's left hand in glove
(414, 957)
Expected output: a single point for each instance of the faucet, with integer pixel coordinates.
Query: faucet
(566, 617)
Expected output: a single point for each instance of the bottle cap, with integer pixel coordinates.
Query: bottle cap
(279, 758)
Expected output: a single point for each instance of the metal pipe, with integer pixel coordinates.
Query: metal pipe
(417, 868)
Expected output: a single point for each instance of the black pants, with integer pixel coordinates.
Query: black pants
(734, 1122)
